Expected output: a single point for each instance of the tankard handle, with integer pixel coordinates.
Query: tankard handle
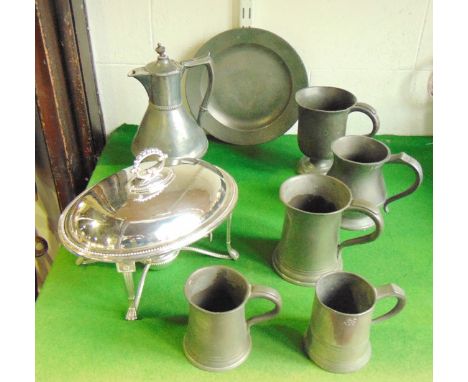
(370, 210)
(390, 290)
(408, 160)
(371, 113)
(207, 60)
(260, 291)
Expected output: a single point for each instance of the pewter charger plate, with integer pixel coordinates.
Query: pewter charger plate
(256, 75)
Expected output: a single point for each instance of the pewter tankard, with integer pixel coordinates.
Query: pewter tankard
(337, 338)
(358, 162)
(218, 335)
(167, 124)
(309, 246)
(323, 114)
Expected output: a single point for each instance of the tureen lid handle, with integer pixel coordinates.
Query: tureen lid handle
(150, 181)
(153, 170)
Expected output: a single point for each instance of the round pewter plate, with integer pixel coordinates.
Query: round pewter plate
(256, 75)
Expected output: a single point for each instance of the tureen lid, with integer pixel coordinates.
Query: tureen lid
(147, 210)
(163, 66)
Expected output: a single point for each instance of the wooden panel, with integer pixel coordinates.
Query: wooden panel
(88, 74)
(68, 39)
(45, 185)
(72, 69)
(62, 102)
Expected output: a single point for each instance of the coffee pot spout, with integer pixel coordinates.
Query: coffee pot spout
(142, 75)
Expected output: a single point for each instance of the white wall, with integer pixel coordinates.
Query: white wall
(381, 50)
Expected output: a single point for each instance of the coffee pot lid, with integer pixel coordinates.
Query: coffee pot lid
(163, 66)
(148, 210)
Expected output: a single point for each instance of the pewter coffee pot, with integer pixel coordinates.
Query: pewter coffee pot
(167, 124)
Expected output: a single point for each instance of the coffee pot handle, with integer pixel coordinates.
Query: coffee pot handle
(260, 291)
(390, 290)
(408, 160)
(371, 113)
(207, 60)
(370, 210)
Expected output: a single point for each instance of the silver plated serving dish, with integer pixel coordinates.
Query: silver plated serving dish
(148, 213)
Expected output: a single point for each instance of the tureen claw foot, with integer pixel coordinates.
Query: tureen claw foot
(131, 314)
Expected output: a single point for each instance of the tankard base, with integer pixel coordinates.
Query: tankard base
(303, 278)
(331, 365)
(358, 223)
(306, 166)
(211, 365)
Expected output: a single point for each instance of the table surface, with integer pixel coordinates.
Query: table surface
(81, 333)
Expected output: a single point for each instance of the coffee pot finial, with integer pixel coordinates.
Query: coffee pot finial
(161, 51)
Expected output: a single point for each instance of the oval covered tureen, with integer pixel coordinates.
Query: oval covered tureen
(149, 212)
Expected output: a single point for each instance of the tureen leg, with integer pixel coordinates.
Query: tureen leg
(128, 278)
(127, 272)
(83, 261)
(134, 299)
(141, 284)
(232, 252)
(131, 313)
